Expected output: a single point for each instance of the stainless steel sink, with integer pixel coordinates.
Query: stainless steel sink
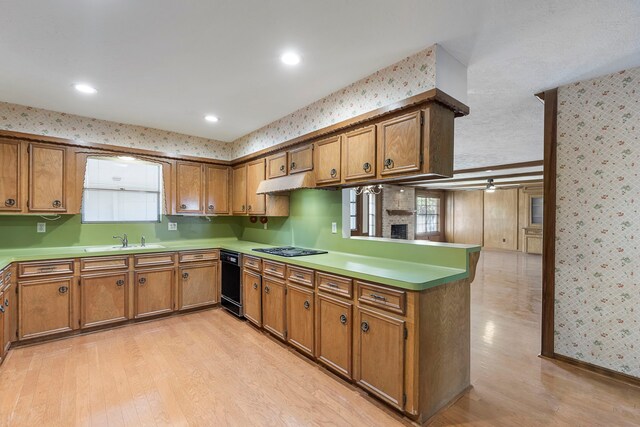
(120, 248)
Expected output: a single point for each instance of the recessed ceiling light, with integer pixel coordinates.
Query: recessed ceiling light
(489, 170)
(85, 88)
(290, 58)
(211, 118)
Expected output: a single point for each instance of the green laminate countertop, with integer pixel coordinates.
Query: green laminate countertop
(400, 274)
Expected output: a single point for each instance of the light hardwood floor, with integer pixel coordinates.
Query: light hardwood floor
(207, 368)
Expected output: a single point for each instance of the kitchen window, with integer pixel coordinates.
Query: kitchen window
(121, 190)
(428, 214)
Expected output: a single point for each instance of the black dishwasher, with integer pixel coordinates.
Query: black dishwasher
(231, 285)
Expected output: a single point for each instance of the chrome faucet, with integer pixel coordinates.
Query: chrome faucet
(125, 240)
(143, 242)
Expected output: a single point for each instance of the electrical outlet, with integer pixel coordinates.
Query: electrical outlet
(41, 227)
(334, 227)
(173, 226)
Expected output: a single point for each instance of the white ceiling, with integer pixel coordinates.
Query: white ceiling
(166, 63)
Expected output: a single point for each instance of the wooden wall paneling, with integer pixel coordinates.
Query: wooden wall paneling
(449, 197)
(501, 219)
(438, 140)
(468, 212)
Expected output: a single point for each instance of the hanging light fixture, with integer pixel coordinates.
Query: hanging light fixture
(490, 186)
(368, 189)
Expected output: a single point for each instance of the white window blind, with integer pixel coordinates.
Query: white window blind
(121, 190)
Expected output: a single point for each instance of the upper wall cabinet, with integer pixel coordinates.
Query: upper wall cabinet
(328, 161)
(239, 192)
(255, 175)
(189, 188)
(359, 154)
(47, 178)
(277, 165)
(400, 144)
(301, 159)
(10, 182)
(217, 189)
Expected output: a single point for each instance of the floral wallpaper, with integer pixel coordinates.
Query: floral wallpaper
(44, 122)
(597, 303)
(406, 78)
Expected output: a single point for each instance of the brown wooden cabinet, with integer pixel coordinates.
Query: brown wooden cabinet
(10, 175)
(198, 285)
(104, 298)
(217, 189)
(256, 204)
(274, 307)
(400, 144)
(334, 334)
(328, 155)
(3, 320)
(301, 159)
(45, 307)
(277, 165)
(381, 358)
(154, 290)
(239, 190)
(252, 296)
(189, 188)
(8, 308)
(47, 178)
(359, 154)
(301, 318)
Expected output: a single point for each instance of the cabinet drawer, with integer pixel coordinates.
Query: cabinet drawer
(385, 298)
(45, 268)
(252, 262)
(152, 260)
(104, 263)
(273, 268)
(300, 275)
(335, 284)
(198, 256)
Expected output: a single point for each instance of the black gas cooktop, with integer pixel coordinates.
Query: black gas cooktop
(290, 251)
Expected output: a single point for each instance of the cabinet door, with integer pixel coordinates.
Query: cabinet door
(277, 165)
(400, 144)
(273, 307)
(103, 298)
(45, 307)
(239, 193)
(334, 334)
(381, 356)
(47, 178)
(189, 186)
(217, 189)
(10, 160)
(300, 318)
(252, 295)
(4, 319)
(255, 175)
(359, 154)
(198, 285)
(328, 160)
(301, 159)
(7, 303)
(154, 291)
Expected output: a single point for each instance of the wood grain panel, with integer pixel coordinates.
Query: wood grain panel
(189, 187)
(328, 160)
(468, 217)
(277, 165)
(239, 190)
(400, 144)
(154, 291)
(359, 154)
(256, 203)
(252, 296)
(334, 332)
(501, 219)
(198, 285)
(10, 175)
(301, 159)
(217, 187)
(45, 307)
(104, 298)
(274, 307)
(301, 318)
(47, 178)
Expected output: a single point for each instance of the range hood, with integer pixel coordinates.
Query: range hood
(287, 183)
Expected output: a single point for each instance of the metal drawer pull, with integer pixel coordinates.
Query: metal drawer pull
(46, 268)
(307, 305)
(333, 173)
(378, 297)
(299, 276)
(63, 289)
(388, 163)
(6, 302)
(198, 256)
(255, 286)
(10, 202)
(343, 319)
(242, 208)
(1, 309)
(293, 165)
(267, 289)
(142, 280)
(281, 168)
(185, 275)
(366, 167)
(57, 203)
(249, 208)
(332, 285)
(211, 207)
(120, 282)
(183, 206)
(364, 326)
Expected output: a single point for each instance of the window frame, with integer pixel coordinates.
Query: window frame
(358, 231)
(432, 235)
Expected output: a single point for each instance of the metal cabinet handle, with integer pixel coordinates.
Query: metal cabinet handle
(299, 276)
(1, 309)
(343, 319)
(183, 206)
(249, 208)
(57, 203)
(211, 207)
(333, 173)
(6, 302)
(142, 280)
(332, 285)
(267, 289)
(378, 297)
(10, 202)
(43, 269)
(307, 305)
(63, 289)
(366, 167)
(185, 275)
(364, 326)
(282, 167)
(292, 166)
(242, 208)
(255, 286)
(388, 163)
(120, 282)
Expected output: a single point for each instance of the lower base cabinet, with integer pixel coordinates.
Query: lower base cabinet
(154, 290)
(3, 319)
(45, 307)
(198, 285)
(334, 334)
(273, 307)
(103, 298)
(252, 296)
(381, 348)
(301, 319)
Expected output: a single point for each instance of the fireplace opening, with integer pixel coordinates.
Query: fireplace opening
(399, 231)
